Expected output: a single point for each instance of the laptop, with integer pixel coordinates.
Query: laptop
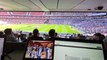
(1, 47)
(39, 50)
(66, 49)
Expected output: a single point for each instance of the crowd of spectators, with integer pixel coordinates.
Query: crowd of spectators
(36, 35)
(21, 21)
(91, 26)
(86, 25)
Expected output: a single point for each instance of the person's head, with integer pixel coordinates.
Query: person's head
(8, 31)
(35, 32)
(1, 33)
(44, 44)
(80, 36)
(56, 34)
(49, 45)
(52, 32)
(98, 36)
(30, 44)
(102, 37)
(30, 34)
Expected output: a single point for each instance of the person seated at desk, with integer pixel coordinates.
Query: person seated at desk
(51, 34)
(35, 35)
(1, 34)
(9, 35)
(98, 36)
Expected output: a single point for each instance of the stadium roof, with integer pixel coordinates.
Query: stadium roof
(53, 5)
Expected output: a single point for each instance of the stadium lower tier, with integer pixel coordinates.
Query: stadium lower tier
(43, 28)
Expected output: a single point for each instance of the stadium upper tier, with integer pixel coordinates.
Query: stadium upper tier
(54, 13)
(23, 13)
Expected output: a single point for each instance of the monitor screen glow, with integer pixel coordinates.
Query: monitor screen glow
(77, 51)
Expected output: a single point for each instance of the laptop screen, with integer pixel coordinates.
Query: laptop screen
(72, 50)
(1, 46)
(37, 49)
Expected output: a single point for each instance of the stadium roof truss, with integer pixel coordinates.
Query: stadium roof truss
(52, 5)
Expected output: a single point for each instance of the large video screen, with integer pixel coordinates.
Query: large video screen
(39, 50)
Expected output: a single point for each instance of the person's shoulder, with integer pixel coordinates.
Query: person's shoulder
(30, 37)
(105, 40)
(40, 38)
(35, 38)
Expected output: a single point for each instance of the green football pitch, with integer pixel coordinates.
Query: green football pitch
(43, 28)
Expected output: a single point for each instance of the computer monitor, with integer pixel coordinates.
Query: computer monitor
(1, 46)
(78, 50)
(39, 50)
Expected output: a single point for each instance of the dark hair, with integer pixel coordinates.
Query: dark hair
(35, 32)
(1, 33)
(8, 31)
(52, 32)
(97, 34)
(30, 33)
(100, 36)
(56, 34)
